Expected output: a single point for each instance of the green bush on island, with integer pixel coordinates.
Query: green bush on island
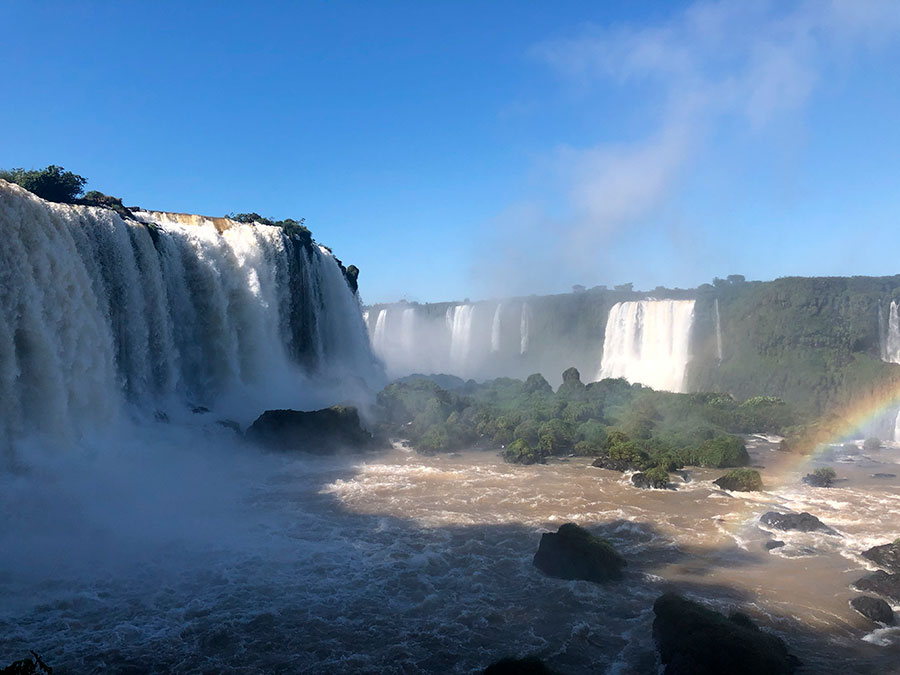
(624, 426)
(871, 444)
(740, 480)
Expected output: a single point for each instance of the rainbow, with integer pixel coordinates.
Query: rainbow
(838, 424)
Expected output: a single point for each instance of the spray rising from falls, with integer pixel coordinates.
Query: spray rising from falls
(648, 341)
(525, 328)
(97, 312)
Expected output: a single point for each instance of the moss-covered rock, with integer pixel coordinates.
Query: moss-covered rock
(740, 480)
(823, 477)
(801, 522)
(694, 640)
(521, 452)
(657, 477)
(574, 553)
(317, 431)
(537, 384)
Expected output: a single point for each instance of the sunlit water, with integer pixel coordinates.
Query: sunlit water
(209, 557)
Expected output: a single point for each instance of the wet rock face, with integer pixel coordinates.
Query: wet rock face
(801, 522)
(880, 583)
(530, 665)
(318, 431)
(874, 609)
(574, 553)
(694, 640)
(886, 556)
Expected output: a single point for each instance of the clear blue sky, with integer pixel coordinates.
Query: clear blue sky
(461, 149)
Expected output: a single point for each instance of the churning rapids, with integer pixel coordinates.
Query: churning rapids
(204, 557)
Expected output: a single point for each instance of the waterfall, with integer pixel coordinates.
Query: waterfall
(890, 350)
(379, 339)
(459, 320)
(495, 329)
(718, 333)
(524, 328)
(97, 312)
(648, 341)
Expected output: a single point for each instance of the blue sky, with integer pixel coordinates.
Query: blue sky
(460, 149)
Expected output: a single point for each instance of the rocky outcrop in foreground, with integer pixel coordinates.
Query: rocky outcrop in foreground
(886, 556)
(319, 432)
(694, 640)
(530, 665)
(881, 583)
(874, 609)
(574, 553)
(801, 522)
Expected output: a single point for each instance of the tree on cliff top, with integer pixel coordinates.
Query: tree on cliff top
(54, 183)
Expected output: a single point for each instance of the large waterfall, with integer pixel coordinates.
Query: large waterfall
(890, 344)
(648, 341)
(97, 312)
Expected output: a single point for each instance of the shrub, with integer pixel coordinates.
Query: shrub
(871, 444)
(520, 452)
(657, 477)
(54, 183)
(740, 480)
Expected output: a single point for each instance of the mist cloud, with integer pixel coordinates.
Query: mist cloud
(741, 64)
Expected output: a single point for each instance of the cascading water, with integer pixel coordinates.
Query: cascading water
(648, 341)
(97, 312)
(524, 328)
(890, 348)
(495, 329)
(459, 319)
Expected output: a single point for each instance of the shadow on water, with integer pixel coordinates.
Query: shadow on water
(316, 587)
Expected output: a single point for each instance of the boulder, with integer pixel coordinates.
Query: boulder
(774, 543)
(574, 553)
(823, 478)
(874, 609)
(801, 522)
(318, 431)
(740, 480)
(694, 640)
(884, 475)
(881, 583)
(886, 556)
(620, 465)
(657, 477)
(530, 665)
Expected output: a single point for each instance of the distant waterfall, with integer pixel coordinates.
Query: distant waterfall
(524, 328)
(890, 348)
(718, 333)
(97, 312)
(648, 341)
(495, 329)
(378, 337)
(459, 319)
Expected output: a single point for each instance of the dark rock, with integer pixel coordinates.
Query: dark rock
(199, 410)
(574, 553)
(572, 386)
(620, 465)
(774, 543)
(802, 522)
(740, 480)
(318, 431)
(530, 665)
(230, 424)
(657, 477)
(886, 556)
(694, 640)
(882, 583)
(884, 475)
(161, 416)
(874, 609)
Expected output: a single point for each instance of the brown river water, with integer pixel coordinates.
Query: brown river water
(398, 562)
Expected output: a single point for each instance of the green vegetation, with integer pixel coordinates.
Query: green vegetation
(871, 444)
(740, 480)
(625, 427)
(293, 228)
(53, 183)
(814, 342)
